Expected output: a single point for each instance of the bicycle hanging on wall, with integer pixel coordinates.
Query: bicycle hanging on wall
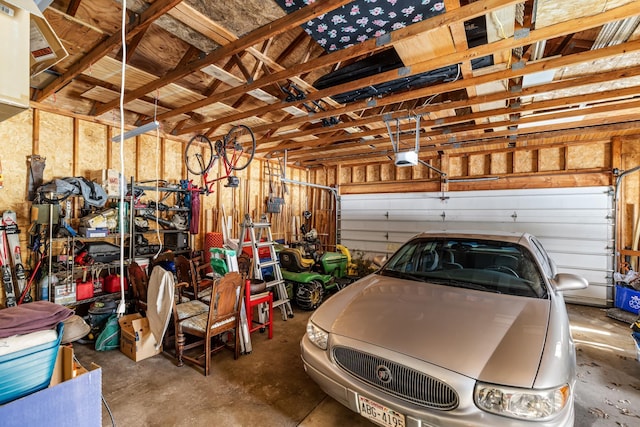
(236, 150)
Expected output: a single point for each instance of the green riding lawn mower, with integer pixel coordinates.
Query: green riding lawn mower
(313, 273)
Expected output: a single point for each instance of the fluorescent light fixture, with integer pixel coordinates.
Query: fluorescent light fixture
(137, 131)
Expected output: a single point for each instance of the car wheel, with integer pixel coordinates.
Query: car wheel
(309, 295)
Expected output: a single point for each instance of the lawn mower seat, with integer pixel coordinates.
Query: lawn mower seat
(291, 259)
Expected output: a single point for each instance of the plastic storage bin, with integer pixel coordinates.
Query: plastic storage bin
(27, 371)
(627, 299)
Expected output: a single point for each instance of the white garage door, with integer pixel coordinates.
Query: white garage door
(574, 224)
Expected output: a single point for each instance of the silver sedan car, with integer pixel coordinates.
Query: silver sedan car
(455, 329)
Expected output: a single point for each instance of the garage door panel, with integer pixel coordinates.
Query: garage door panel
(578, 246)
(363, 225)
(574, 224)
(370, 247)
(580, 262)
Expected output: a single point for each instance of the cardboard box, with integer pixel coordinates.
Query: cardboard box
(108, 179)
(64, 293)
(627, 299)
(136, 339)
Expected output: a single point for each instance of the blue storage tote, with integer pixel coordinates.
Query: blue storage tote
(627, 299)
(28, 370)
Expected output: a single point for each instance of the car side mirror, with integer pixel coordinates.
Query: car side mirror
(569, 282)
(379, 260)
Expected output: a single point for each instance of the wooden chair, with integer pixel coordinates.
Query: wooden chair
(223, 316)
(187, 272)
(139, 284)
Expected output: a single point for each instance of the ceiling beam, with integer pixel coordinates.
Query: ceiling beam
(368, 46)
(157, 9)
(266, 31)
(454, 58)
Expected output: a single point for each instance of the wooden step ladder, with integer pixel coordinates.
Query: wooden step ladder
(260, 237)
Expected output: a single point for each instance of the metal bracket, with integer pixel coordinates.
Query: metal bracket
(518, 65)
(521, 33)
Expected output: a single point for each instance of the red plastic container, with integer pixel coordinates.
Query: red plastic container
(112, 283)
(84, 290)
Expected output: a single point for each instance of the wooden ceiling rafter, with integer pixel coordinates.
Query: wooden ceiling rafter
(366, 47)
(438, 62)
(72, 8)
(457, 141)
(143, 21)
(131, 46)
(279, 26)
(615, 75)
(465, 133)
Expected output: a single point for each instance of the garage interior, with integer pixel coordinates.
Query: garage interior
(488, 114)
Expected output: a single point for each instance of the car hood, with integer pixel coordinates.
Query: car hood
(486, 336)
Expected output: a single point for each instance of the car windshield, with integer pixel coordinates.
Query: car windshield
(485, 265)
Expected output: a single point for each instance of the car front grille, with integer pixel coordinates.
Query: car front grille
(404, 383)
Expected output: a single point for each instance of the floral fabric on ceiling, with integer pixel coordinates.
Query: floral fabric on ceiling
(363, 19)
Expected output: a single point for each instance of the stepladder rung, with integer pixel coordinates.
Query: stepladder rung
(270, 263)
(261, 224)
(273, 283)
(265, 244)
(263, 238)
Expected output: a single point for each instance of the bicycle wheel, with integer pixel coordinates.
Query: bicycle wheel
(198, 155)
(239, 147)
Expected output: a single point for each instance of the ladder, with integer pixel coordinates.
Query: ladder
(260, 237)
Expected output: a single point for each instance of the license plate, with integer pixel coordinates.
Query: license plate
(380, 413)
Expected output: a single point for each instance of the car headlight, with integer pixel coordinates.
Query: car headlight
(317, 336)
(526, 404)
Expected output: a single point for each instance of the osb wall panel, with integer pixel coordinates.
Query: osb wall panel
(550, 159)
(404, 173)
(92, 147)
(148, 162)
(523, 161)
(359, 174)
(630, 194)
(173, 165)
(129, 154)
(387, 172)
(373, 173)
(587, 156)
(16, 133)
(476, 164)
(456, 166)
(56, 144)
(499, 163)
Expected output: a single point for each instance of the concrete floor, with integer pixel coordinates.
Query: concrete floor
(270, 388)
